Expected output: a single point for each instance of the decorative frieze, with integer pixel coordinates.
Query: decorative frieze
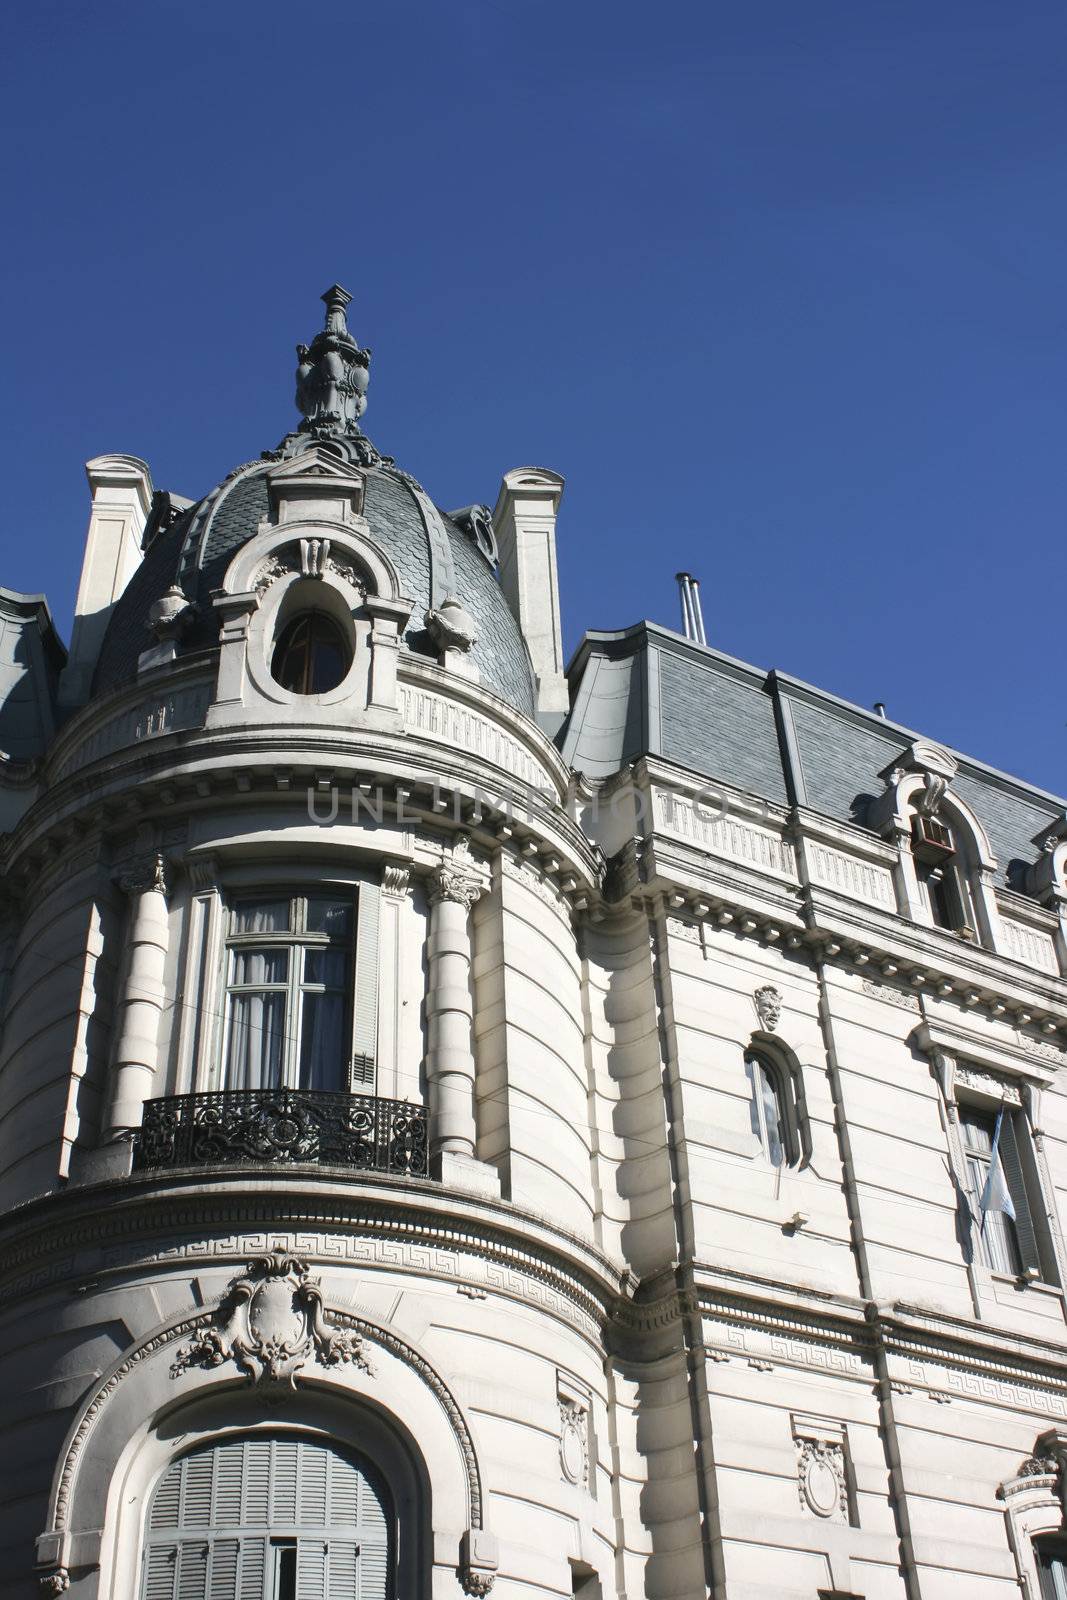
(987, 1083)
(891, 996)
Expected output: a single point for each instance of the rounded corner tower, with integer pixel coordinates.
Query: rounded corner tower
(259, 1136)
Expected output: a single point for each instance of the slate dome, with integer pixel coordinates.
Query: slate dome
(435, 555)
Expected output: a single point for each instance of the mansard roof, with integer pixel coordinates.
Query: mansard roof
(645, 690)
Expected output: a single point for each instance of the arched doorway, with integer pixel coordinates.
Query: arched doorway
(269, 1517)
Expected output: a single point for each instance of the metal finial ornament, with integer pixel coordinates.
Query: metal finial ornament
(332, 375)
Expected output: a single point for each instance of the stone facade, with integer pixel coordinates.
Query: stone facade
(621, 1223)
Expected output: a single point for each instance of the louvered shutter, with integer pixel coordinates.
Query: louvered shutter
(161, 1567)
(216, 1512)
(192, 1570)
(223, 1561)
(310, 1569)
(1013, 1173)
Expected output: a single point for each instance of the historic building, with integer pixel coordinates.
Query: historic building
(473, 1125)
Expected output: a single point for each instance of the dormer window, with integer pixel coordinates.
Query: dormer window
(312, 655)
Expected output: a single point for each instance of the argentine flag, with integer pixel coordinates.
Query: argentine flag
(995, 1195)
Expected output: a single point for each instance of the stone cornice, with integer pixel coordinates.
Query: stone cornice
(881, 945)
(178, 775)
(41, 1240)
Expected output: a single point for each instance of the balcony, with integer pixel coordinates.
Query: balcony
(283, 1127)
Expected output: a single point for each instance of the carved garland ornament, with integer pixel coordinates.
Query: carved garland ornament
(274, 1324)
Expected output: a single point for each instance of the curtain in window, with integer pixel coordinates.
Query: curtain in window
(256, 1046)
(766, 1111)
(1000, 1244)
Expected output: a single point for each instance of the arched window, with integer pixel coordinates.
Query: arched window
(769, 1109)
(312, 655)
(269, 1518)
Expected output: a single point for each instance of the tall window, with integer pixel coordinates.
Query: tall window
(1052, 1569)
(1019, 1244)
(269, 1518)
(769, 1109)
(289, 964)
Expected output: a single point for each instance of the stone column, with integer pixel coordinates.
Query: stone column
(454, 887)
(137, 1052)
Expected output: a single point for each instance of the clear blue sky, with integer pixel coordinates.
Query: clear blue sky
(778, 287)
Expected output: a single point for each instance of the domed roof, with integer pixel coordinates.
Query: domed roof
(435, 555)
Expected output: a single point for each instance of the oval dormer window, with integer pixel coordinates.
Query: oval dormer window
(312, 656)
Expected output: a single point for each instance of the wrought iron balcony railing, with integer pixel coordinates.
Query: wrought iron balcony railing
(272, 1126)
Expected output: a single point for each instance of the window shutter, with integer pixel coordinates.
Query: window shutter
(1013, 1173)
(373, 1573)
(313, 1496)
(310, 1569)
(342, 1569)
(166, 1505)
(161, 1567)
(229, 1465)
(256, 1473)
(222, 1573)
(253, 1569)
(283, 1482)
(365, 1002)
(192, 1571)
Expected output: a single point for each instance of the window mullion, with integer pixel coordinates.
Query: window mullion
(293, 1019)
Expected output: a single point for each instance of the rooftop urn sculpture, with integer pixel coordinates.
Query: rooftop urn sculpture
(333, 374)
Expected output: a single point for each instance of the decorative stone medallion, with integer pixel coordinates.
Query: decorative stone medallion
(821, 1478)
(574, 1442)
(271, 1324)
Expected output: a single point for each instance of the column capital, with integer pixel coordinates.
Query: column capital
(456, 879)
(143, 873)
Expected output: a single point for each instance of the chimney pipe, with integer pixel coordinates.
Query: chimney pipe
(879, 709)
(692, 615)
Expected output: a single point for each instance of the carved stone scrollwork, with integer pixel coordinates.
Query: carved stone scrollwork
(272, 1324)
(53, 1583)
(768, 1006)
(477, 1583)
(347, 574)
(275, 567)
(1039, 1466)
(144, 873)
